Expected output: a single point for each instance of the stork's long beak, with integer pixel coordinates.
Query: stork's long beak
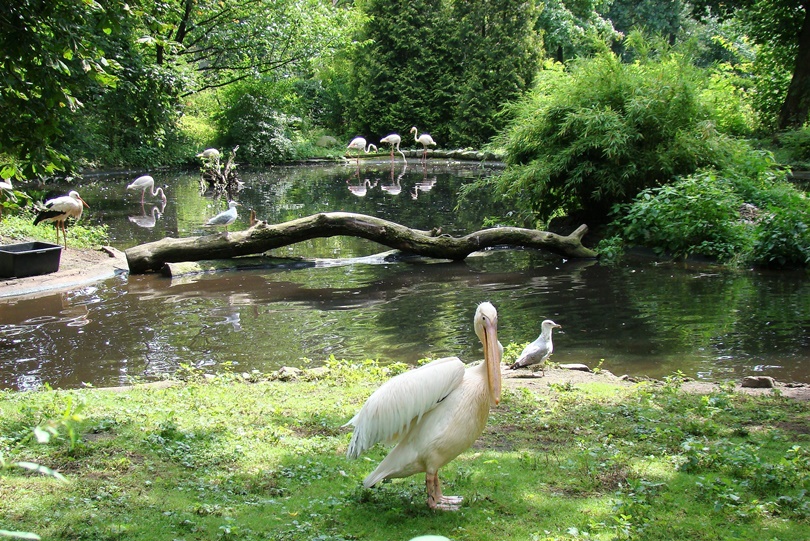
(492, 358)
(84, 202)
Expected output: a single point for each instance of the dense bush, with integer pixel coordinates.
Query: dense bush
(698, 214)
(705, 214)
(601, 131)
(253, 119)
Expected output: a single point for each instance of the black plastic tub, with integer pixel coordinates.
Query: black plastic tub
(29, 259)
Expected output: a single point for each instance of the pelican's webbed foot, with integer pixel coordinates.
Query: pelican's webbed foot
(435, 498)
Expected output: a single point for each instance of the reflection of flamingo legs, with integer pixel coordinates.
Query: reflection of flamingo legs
(395, 188)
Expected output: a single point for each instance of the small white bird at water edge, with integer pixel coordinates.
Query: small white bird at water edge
(434, 413)
(224, 218)
(538, 351)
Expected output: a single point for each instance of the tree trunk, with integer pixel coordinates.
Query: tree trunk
(262, 237)
(795, 109)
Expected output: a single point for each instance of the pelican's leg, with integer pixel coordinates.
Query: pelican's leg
(435, 498)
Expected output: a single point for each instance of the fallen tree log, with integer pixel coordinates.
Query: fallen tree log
(262, 237)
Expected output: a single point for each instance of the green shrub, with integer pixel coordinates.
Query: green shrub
(795, 147)
(783, 238)
(602, 131)
(698, 214)
(264, 135)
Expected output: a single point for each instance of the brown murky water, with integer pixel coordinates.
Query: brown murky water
(640, 318)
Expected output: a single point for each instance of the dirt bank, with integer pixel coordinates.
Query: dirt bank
(557, 376)
(77, 267)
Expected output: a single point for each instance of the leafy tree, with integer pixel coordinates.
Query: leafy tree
(655, 17)
(403, 74)
(49, 54)
(572, 28)
(133, 123)
(226, 42)
(498, 53)
(601, 131)
(782, 30)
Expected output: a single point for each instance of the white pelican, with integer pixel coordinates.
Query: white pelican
(359, 144)
(224, 218)
(146, 183)
(538, 351)
(58, 210)
(434, 413)
(425, 140)
(394, 140)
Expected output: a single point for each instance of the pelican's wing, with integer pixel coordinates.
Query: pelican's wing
(401, 400)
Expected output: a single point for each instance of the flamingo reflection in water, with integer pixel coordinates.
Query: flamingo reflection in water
(423, 186)
(434, 413)
(395, 188)
(148, 221)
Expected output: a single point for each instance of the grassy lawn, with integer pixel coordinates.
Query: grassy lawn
(231, 457)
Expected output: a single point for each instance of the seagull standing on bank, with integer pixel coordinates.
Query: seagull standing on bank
(538, 351)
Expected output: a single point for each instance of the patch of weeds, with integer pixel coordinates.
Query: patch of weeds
(345, 371)
(634, 507)
(566, 387)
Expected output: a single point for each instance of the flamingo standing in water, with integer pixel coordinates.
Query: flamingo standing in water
(58, 210)
(425, 140)
(394, 140)
(146, 183)
(434, 412)
(359, 144)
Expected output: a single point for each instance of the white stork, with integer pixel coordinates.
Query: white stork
(58, 210)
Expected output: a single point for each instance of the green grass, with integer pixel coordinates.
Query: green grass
(251, 458)
(19, 226)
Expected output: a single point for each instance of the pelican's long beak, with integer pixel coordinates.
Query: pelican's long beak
(492, 358)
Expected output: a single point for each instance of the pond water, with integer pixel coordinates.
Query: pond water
(638, 318)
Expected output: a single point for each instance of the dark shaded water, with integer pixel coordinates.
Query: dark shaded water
(641, 319)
